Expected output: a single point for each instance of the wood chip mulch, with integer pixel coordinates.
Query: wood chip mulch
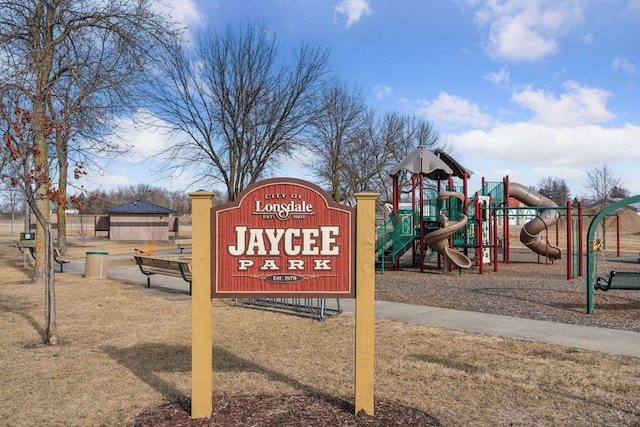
(290, 411)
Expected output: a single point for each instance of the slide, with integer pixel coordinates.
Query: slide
(530, 235)
(439, 240)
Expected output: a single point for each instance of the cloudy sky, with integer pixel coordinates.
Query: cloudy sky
(525, 88)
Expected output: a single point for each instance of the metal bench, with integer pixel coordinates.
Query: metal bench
(57, 257)
(30, 245)
(168, 267)
(629, 280)
(183, 244)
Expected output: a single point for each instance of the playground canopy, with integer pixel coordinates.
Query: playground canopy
(459, 171)
(424, 162)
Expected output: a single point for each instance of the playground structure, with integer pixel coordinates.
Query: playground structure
(532, 233)
(625, 280)
(438, 240)
(483, 224)
(466, 231)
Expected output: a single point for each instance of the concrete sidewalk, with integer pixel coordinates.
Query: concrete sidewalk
(606, 340)
(612, 341)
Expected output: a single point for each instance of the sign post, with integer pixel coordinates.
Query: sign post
(201, 328)
(365, 300)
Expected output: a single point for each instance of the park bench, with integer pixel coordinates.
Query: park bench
(27, 244)
(23, 245)
(168, 267)
(629, 280)
(57, 257)
(183, 244)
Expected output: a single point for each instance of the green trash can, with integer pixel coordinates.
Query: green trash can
(95, 266)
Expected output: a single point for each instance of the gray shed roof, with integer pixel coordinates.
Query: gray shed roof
(140, 207)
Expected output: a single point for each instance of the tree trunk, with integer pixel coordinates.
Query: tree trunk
(51, 330)
(39, 275)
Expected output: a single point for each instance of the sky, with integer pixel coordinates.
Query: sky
(528, 89)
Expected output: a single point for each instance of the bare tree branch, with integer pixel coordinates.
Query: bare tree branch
(236, 106)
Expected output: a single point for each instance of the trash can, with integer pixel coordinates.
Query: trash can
(95, 266)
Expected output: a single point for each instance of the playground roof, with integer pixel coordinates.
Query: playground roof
(424, 162)
(139, 207)
(459, 171)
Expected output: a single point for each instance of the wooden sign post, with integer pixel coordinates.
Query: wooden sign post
(365, 300)
(201, 328)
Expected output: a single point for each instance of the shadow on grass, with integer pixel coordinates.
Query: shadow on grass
(21, 307)
(148, 361)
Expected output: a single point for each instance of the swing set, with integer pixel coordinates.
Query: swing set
(628, 280)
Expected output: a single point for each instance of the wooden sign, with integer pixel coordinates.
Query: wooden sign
(283, 237)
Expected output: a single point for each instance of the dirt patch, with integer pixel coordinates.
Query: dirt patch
(291, 411)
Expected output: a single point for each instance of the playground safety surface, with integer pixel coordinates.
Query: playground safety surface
(528, 287)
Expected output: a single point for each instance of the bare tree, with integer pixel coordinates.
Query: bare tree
(234, 106)
(63, 59)
(365, 162)
(19, 148)
(335, 129)
(603, 186)
(78, 62)
(403, 133)
(555, 189)
(101, 200)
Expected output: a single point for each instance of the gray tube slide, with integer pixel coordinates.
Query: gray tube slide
(530, 235)
(438, 240)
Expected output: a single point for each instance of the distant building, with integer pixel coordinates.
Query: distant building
(140, 220)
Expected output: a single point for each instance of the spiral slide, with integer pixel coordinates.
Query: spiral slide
(530, 235)
(438, 240)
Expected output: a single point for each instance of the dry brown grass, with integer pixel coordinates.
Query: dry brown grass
(124, 351)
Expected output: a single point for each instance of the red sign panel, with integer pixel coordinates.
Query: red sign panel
(283, 237)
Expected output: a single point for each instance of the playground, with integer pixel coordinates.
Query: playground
(526, 288)
(440, 226)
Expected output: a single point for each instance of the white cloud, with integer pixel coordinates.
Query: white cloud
(354, 10)
(623, 64)
(540, 145)
(453, 109)
(184, 12)
(526, 30)
(500, 78)
(578, 106)
(381, 91)
(528, 152)
(144, 135)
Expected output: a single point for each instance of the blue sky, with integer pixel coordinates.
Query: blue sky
(525, 88)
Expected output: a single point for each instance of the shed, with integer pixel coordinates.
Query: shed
(139, 220)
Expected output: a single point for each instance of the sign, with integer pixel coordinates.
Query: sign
(283, 237)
